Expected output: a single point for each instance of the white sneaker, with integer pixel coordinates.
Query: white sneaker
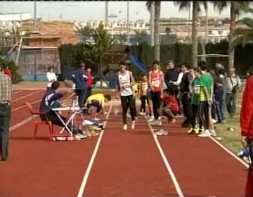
(213, 133)
(125, 127)
(162, 132)
(142, 113)
(156, 122)
(151, 118)
(205, 133)
(133, 124)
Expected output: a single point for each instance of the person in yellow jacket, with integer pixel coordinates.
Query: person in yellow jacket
(97, 101)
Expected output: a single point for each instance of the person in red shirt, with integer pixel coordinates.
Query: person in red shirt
(7, 71)
(89, 82)
(169, 106)
(246, 116)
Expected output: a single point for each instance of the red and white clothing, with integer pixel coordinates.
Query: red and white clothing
(156, 80)
(246, 117)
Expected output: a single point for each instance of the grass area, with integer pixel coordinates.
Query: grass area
(230, 138)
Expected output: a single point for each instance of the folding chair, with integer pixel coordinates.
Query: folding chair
(40, 122)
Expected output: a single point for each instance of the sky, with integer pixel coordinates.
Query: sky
(95, 10)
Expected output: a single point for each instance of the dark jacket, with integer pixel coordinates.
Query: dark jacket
(171, 75)
(185, 83)
(218, 93)
(79, 78)
(50, 100)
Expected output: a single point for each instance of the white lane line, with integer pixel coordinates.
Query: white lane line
(25, 96)
(16, 91)
(22, 106)
(229, 152)
(87, 173)
(168, 167)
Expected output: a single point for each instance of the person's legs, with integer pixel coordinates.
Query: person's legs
(218, 111)
(233, 104)
(228, 102)
(194, 109)
(124, 105)
(250, 145)
(143, 104)
(156, 96)
(5, 115)
(131, 102)
(169, 114)
(201, 114)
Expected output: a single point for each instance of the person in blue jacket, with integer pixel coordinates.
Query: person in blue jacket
(79, 78)
(51, 100)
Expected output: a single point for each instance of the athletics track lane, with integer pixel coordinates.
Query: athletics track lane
(41, 167)
(203, 168)
(128, 163)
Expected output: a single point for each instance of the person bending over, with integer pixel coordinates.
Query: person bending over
(97, 101)
(169, 106)
(51, 100)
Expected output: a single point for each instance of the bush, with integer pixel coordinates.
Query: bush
(16, 78)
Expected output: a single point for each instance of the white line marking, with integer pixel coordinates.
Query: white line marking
(16, 91)
(171, 173)
(87, 173)
(229, 152)
(25, 96)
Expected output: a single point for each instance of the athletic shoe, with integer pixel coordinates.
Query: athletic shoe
(95, 128)
(92, 133)
(205, 133)
(190, 131)
(81, 136)
(151, 118)
(133, 124)
(213, 133)
(156, 123)
(161, 132)
(125, 127)
(196, 130)
(142, 113)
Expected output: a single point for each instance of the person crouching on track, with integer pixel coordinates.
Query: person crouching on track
(169, 106)
(97, 101)
(51, 100)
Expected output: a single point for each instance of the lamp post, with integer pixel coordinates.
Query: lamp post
(128, 40)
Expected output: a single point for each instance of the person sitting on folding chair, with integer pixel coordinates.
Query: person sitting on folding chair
(51, 100)
(97, 101)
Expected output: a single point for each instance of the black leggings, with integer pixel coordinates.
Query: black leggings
(127, 102)
(144, 99)
(156, 101)
(194, 113)
(96, 104)
(204, 114)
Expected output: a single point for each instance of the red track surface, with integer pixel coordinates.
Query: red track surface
(126, 164)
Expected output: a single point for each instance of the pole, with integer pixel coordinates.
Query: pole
(152, 23)
(106, 13)
(35, 15)
(128, 40)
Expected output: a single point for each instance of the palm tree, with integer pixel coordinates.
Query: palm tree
(157, 5)
(243, 32)
(195, 14)
(85, 33)
(236, 7)
(140, 36)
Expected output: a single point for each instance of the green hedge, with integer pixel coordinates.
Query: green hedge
(180, 53)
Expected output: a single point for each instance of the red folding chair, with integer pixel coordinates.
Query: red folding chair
(40, 122)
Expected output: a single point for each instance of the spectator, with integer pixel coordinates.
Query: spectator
(233, 82)
(5, 114)
(51, 77)
(89, 83)
(218, 100)
(7, 71)
(79, 79)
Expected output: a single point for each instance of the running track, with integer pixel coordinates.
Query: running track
(117, 163)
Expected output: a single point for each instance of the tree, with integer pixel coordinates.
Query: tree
(243, 32)
(102, 44)
(140, 36)
(85, 33)
(156, 26)
(195, 15)
(236, 7)
(122, 38)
